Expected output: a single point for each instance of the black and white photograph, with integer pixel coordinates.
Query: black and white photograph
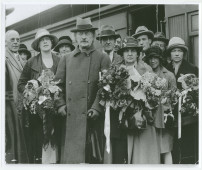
(100, 83)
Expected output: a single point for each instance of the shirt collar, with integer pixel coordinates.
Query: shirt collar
(78, 51)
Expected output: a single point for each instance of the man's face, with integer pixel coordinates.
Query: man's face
(45, 44)
(154, 62)
(64, 49)
(13, 41)
(130, 55)
(144, 42)
(108, 43)
(117, 45)
(176, 55)
(85, 39)
(160, 44)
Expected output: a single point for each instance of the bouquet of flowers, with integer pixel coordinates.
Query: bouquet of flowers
(114, 87)
(152, 85)
(189, 94)
(39, 96)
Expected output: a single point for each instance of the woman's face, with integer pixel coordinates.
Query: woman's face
(64, 49)
(176, 55)
(45, 44)
(130, 55)
(154, 62)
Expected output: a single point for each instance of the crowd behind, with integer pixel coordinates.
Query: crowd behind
(78, 110)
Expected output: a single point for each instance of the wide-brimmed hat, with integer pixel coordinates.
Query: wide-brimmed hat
(83, 25)
(43, 33)
(23, 48)
(142, 30)
(160, 36)
(129, 42)
(153, 51)
(64, 40)
(107, 31)
(176, 42)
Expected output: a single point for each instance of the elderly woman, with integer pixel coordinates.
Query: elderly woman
(155, 60)
(43, 43)
(142, 143)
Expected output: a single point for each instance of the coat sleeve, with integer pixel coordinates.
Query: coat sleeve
(24, 78)
(105, 63)
(172, 82)
(61, 75)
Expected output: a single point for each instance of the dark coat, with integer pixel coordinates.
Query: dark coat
(185, 68)
(79, 75)
(33, 129)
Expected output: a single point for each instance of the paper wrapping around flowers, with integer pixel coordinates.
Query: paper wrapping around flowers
(107, 126)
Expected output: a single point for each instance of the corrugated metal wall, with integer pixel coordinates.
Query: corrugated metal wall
(177, 27)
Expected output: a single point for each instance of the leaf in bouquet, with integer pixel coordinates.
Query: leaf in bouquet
(164, 100)
(102, 102)
(138, 94)
(53, 89)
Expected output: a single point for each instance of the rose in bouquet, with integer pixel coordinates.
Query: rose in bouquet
(189, 94)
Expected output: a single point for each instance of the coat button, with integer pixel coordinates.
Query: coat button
(70, 82)
(88, 81)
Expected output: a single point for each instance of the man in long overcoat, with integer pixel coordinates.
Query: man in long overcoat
(16, 151)
(78, 73)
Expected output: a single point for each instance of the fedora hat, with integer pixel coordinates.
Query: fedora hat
(83, 25)
(176, 42)
(23, 48)
(142, 30)
(160, 36)
(64, 40)
(107, 31)
(129, 42)
(42, 33)
(154, 51)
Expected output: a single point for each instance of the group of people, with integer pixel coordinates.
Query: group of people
(80, 117)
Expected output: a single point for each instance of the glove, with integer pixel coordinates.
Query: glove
(93, 114)
(62, 110)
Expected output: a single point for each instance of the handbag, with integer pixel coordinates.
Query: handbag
(136, 120)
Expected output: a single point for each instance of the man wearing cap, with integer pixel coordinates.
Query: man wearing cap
(144, 37)
(107, 38)
(64, 46)
(24, 53)
(16, 151)
(161, 41)
(78, 73)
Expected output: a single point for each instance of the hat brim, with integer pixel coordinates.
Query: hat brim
(176, 46)
(149, 33)
(112, 35)
(161, 39)
(120, 51)
(35, 43)
(25, 51)
(86, 29)
(61, 43)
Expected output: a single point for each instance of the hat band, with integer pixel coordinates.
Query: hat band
(131, 44)
(83, 27)
(107, 32)
(141, 31)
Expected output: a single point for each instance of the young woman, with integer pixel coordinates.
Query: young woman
(43, 43)
(165, 136)
(142, 143)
